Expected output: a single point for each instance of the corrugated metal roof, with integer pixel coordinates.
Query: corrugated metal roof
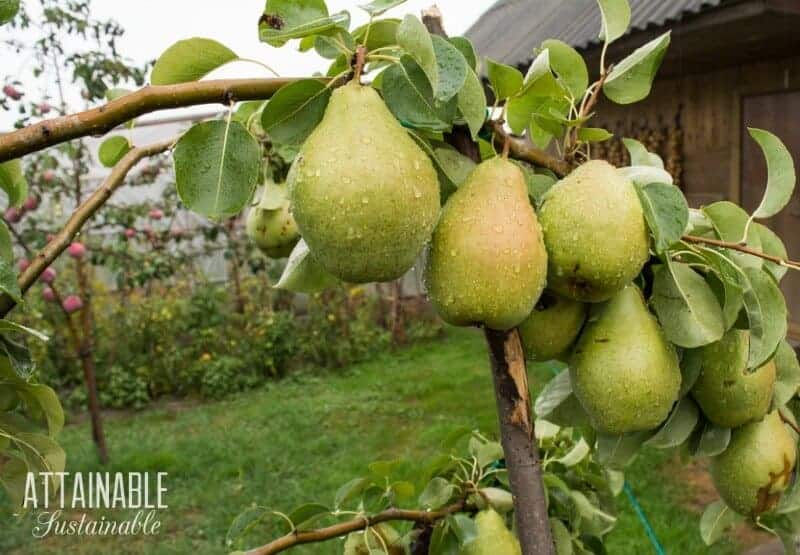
(511, 29)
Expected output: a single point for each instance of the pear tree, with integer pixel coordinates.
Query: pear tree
(668, 322)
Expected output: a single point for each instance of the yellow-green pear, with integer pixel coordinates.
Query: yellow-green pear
(494, 538)
(364, 195)
(269, 223)
(595, 232)
(487, 263)
(551, 329)
(623, 370)
(728, 393)
(381, 538)
(755, 469)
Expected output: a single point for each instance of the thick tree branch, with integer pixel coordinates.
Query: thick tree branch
(742, 248)
(85, 211)
(343, 528)
(102, 119)
(523, 149)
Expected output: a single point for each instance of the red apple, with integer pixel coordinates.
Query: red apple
(48, 176)
(48, 275)
(48, 294)
(31, 203)
(23, 264)
(11, 92)
(156, 214)
(72, 303)
(76, 250)
(44, 107)
(13, 215)
(130, 233)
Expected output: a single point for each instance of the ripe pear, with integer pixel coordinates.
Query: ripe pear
(595, 232)
(755, 469)
(364, 195)
(358, 544)
(551, 328)
(727, 392)
(270, 225)
(494, 538)
(623, 370)
(487, 263)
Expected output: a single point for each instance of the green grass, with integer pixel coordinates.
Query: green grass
(299, 439)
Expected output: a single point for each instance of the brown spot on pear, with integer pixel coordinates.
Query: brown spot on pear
(552, 327)
(364, 195)
(487, 263)
(595, 232)
(494, 537)
(729, 394)
(623, 370)
(756, 468)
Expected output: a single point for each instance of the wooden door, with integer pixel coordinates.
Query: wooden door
(780, 114)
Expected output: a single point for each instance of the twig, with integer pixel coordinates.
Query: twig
(85, 211)
(587, 105)
(343, 528)
(98, 121)
(523, 149)
(742, 248)
(360, 59)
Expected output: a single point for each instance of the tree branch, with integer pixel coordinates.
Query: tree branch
(102, 119)
(742, 248)
(361, 523)
(85, 211)
(523, 149)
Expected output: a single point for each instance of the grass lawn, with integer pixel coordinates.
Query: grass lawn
(300, 439)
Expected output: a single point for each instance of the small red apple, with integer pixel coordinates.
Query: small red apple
(48, 176)
(23, 264)
(31, 203)
(11, 92)
(76, 250)
(48, 275)
(48, 294)
(13, 215)
(130, 233)
(72, 303)
(156, 214)
(44, 107)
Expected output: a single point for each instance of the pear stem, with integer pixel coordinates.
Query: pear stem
(742, 248)
(358, 64)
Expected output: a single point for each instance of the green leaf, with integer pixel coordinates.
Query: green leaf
(686, 306)
(640, 155)
(377, 7)
(561, 537)
(711, 440)
(643, 175)
(246, 521)
(575, 455)
(8, 9)
(414, 38)
(506, 81)
(382, 33)
(780, 173)
(631, 79)
(327, 46)
(488, 453)
(190, 60)
(463, 527)
(522, 108)
(451, 68)
(349, 490)
(8, 281)
(788, 370)
(594, 521)
(9, 326)
(678, 427)
(112, 150)
(13, 182)
(453, 164)
(539, 79)
(730, 222)
(13, 476)
(569, 66)
(295, 110)
(553, 394)
(284, 20)
(716, 520)
(616, 15)
(472, 103)
(17, 359)
(307, 513)
(594, 134)
(409, 96)
(771, 244)
(691, 364)
(464, 46)
(766, 314)
(665, 211)
(303, 274)
(437, 493)
(6, 244)
(618, 451)
(216, 168)
(45, 399)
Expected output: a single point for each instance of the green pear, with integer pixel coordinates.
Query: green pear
(494, 538)
(727, 392)
(381, 538)
(623, 370)
(364, 195)
(551, 329)
(270, 225)
(755, 469)
(595, 232)
(487, 263)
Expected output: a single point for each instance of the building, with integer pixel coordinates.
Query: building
(731, 64)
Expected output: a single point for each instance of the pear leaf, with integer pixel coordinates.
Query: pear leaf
(594, 134)
(678, 427)
(618, 451)
(467, 50)
(6, 244)
(640, 156)
(190, 60)
(295, 110)
(377, 7)
(13, 182)
(284, 20)
(709, 440)
(553, 394)
(788, 370)
(414, 38)
(716, 520)
(506, 81)
(686, 306)
(730, 223)
(409, 96)
(472, 103)
(646, 174)
(771, 244)
(8, 9)
(303, 274)
(766, 314)
(112, 150)
(451, 68)
(616, 16)
(665, 211)
(631, 79)
(780, 173)
(569, 66)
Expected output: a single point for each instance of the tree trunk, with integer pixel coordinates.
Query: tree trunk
(512, 395)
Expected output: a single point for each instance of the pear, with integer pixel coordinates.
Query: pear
(270, 225)
(552, 327)
(595, 232)
(623, 370)
(494, 538)
(755, 469)
(727, 392)
(357, 544)
(364, 195)
(487, 263)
